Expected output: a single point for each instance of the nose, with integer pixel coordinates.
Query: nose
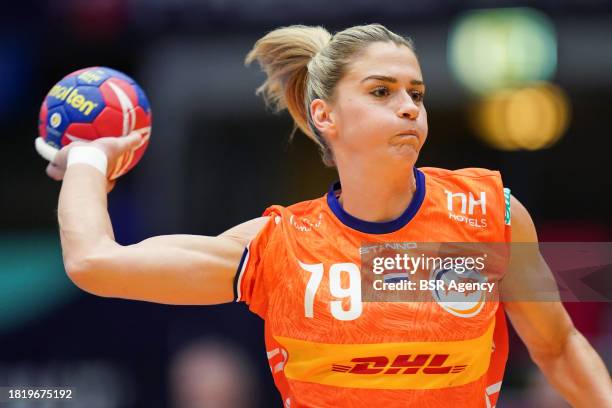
(407, 109)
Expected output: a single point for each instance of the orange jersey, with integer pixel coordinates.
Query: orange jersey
(328, 348)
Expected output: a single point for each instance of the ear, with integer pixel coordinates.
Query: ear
(322, 117)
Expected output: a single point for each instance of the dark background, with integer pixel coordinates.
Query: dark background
(218, 158)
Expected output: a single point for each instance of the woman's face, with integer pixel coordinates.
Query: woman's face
(377, 113)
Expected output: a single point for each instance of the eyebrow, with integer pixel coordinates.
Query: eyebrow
(392, 80)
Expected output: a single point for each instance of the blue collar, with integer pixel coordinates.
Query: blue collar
(370, 227)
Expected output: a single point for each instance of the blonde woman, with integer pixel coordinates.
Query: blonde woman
(359, 95)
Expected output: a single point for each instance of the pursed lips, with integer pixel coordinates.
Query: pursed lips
(409, 137)
(408, 134)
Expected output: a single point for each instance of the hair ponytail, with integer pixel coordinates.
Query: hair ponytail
(284, 55)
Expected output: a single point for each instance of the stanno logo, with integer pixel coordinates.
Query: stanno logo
(467, 206)
(430, 364)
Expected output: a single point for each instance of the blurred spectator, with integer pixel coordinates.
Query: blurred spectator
(212, 374)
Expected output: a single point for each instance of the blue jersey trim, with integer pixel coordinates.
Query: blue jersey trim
(237, 275)
(386, 227)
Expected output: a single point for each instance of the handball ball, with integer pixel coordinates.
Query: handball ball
(92, 103)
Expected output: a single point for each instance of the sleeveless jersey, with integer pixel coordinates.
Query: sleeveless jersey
(326, 348)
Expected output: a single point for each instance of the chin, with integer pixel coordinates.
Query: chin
(404, 157)
(405, 151)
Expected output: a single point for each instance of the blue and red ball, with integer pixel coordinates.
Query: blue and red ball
(92, 103)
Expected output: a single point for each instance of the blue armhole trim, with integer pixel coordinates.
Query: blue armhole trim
(237, 275)
(507, 213)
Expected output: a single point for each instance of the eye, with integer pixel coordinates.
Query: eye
(380, 92)
(417, 96)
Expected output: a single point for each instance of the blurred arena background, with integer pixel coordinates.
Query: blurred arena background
(525, 90)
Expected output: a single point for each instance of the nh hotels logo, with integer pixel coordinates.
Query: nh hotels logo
(462, 208)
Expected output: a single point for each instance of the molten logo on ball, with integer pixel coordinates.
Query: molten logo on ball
(72, 98)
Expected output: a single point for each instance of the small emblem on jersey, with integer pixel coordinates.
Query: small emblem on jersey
(279, 355)
(455, 293)
(395, 277)
(401, 364)
(304, 224)
(463, 208)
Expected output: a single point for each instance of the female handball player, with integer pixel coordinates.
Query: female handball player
(359, 95)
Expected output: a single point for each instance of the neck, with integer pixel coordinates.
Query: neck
(376, 197)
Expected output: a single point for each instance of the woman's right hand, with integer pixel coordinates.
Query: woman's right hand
(113, 148)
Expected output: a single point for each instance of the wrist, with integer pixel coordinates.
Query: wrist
(89, 155)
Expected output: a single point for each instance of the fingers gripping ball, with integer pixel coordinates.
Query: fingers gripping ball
(92, 103)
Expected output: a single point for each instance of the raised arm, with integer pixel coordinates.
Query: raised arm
(172, 269)
(565, 357)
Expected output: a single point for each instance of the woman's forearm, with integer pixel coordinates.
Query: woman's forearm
(578, 373)
(82, 213)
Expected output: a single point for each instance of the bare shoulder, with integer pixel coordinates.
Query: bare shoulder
(523, 228)
(245, 232)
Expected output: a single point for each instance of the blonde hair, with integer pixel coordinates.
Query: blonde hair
(304, 63)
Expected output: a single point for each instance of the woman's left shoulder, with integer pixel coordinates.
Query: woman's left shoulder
(523, 228)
